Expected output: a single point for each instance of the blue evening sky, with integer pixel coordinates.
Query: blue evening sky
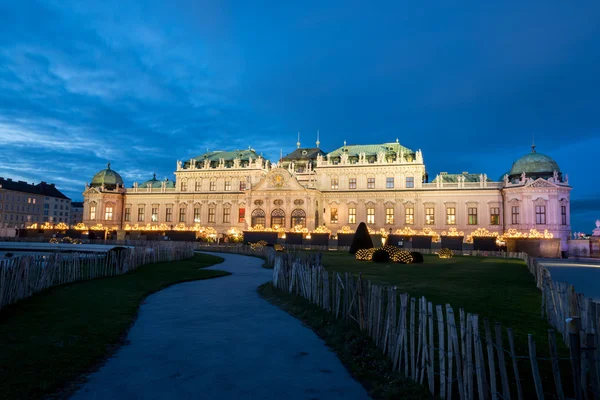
(145, 83)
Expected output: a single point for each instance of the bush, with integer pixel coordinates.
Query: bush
(380, 255)
(361, 239)
(364, 254)
(402, 257)
(445, 253)
(417, 257)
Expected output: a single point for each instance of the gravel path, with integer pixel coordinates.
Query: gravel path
(217, 339)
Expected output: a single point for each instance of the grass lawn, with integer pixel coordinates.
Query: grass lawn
(51, 340)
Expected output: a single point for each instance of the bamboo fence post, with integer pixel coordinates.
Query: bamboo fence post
(441, 351)
(470, 356)
(502, 363)
(413, 359)
(592, 353)
(575, 354)
(491, 363)
(555, 366)
(513, 356)
(430, 351)
(537, 380)
(482, 388)
(450, 355)
(457, 354)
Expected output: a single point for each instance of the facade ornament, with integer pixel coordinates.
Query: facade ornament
(505, 179)
(555, 176)
(523, 177)
(566, 179)
(419, 156)
(380, 157)
(178, 165)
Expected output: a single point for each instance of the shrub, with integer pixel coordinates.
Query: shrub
(402, 257)
(380, 255)
(417, 257)
(364, 254)
(361, 239)
(445, 253)
(279, 247)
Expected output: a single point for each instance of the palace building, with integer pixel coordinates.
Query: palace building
(385, 185)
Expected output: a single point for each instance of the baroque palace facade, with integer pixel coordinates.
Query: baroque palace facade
(385, 185)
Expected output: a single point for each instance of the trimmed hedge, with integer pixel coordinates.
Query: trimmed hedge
(361, 239)
(380, 255)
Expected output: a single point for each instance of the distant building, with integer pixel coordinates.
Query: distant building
(385, 185)
(22, 204)
(76, 212)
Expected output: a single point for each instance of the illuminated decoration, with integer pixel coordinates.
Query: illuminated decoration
(279, 247)
(180, 227)
(345, 229)
(481, 232)
(533, 234)
(402, 257)
(33, 226)
(69, 240)
(62, 226)
(322, 229)
(381, 232)
(258, 246)
(429, 232)
(47, 225)
(80, 227)
(98, 227)
(53, 240)
(365, 254)
(445, 253)
(406, 231)
(234, 236)
(453, 232)
(308, 236)
(299, 229)
(261, 228)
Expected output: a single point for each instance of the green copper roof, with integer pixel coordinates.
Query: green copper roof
(370, 149)
(304, 154)
(534, 163)
(155, 183)
(243, 155)
(453, 178)
(109, 178)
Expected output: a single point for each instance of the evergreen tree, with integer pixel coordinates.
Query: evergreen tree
(361, 239)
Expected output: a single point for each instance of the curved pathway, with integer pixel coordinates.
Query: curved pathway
(218, 339)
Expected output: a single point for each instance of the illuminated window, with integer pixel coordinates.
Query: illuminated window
(242, 186)
(213, 186)
(495, 216)
(227, 186)
(472, 216)
(370, 183)
(389, 216)
(335, 183)
(352, 183)
(410, 216)
(334, 216)
(540, 215)
(370, 215)
(141, 212)
(196, 214)
(451, 216)
(389, 183)
(352, 215)
(154, 217)
(108, 213)
(242, 215)
(226, 215)
(169, 215)
(184, 186)
(198, 186)
(410, 182)
(211, 215)
(515, 215)
(92, 212)
(563, 214)
(182, 215)
(429, 216)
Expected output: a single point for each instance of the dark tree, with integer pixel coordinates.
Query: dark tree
(381, 255)
(361, 239)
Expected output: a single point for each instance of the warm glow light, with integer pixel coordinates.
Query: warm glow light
(445, 253)
(345, 229)
(453, 232)
(322, 229)
(406, 231)
(532, 234)
(80, 227)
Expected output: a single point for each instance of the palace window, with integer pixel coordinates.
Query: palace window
(334, 215)
(370, 215)
(410, 181)
(227, 186)
(92, 212)
(196, 214)
(451, 216)
(515, 215)
(213, 186)
(169, 215)
(389, 216)
(141, 214)
(226, 215)
(540, 215)
(389, 183)
(198, 186)
(182, 214)
(154, 214)
(211, 215)
(184, 186)
(299, 218)
(258, 217)
(108, 213)
(430, 216)
(242, 186)
(277, 217)
(335, 183)
(352, 183)
(472, 211)
(563, 214)
(410, 216)
(352, 215)
(242, 215)
(494, 216)
(370, 183)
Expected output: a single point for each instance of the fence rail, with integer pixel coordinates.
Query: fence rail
(456, 356)
(23, 276)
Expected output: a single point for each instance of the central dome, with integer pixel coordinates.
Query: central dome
(534, 165)
(108, 178)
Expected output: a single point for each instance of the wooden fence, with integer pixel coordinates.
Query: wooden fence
(22, 276)
(456, 356)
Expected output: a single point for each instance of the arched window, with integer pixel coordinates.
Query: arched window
(278, 217)
(298, 218)
(258, 217)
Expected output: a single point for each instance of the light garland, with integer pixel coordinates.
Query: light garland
(445, 253)
(322, 229)
(532, 234)
(406, 231)
(98, 227)
(299, 229)
(364, 254)
(430, 232)
(453, 232)
(80, 227)
(61, 226)
(481, 232)
(381, 232)
(345, 229)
